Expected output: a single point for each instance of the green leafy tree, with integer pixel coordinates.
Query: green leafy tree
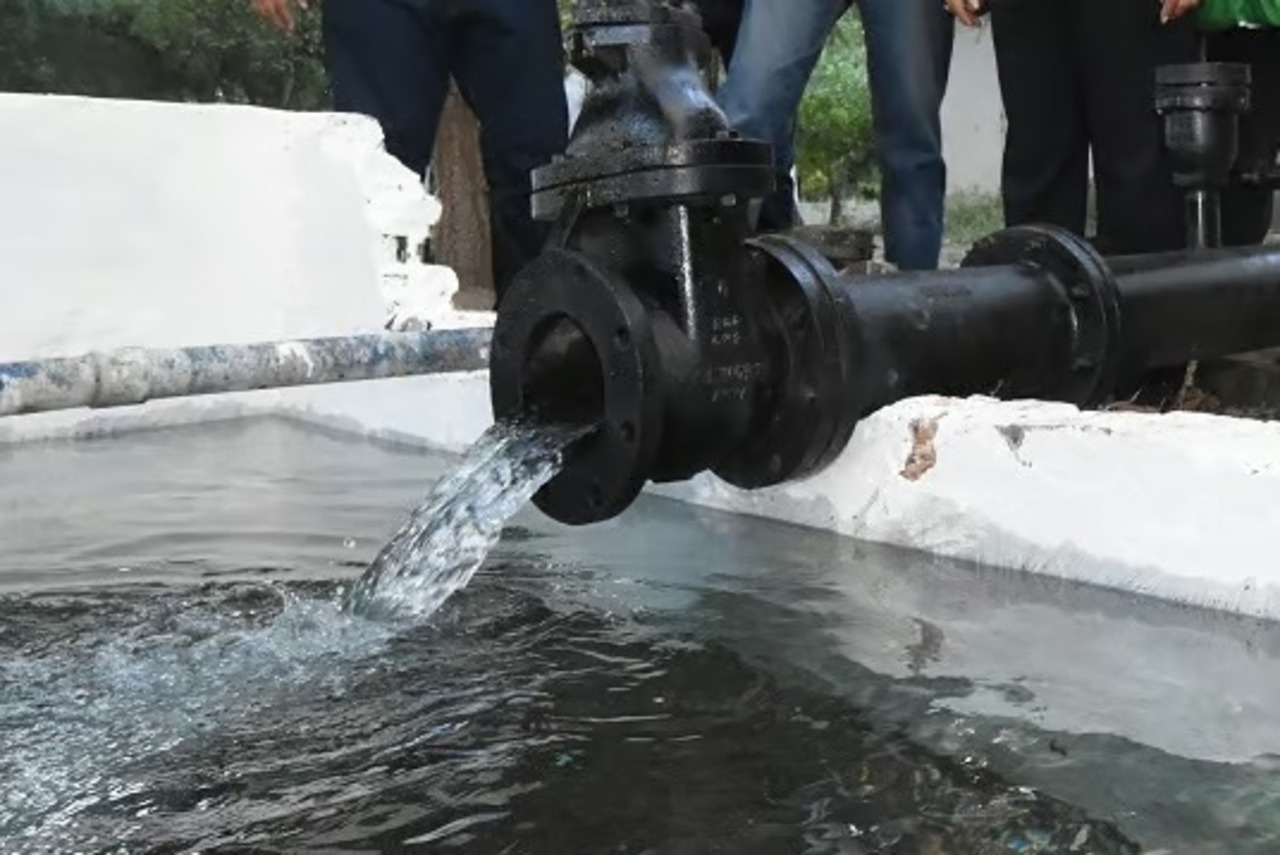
(835, 153)
(71, 48)
(177, 50)
(218, 50)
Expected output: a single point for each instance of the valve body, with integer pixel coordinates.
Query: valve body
(696, 345)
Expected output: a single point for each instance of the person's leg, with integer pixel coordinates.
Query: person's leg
(908, 61)
(509, 64)
(1118, 45)
(779, 43)
(1247, 211)
(389, 60)
(1045, 172)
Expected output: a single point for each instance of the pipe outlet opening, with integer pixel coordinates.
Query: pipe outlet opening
(563, 379)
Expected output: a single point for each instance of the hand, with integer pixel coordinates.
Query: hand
(968, 12)
(279, 12)
(1171, 10)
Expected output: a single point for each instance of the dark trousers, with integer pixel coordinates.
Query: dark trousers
(392, 60)
(721, 19)
(908, 60)
(1078, 78)
(1247, 211)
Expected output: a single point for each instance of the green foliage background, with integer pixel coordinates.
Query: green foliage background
(835, 153)
(218, 50)
(174, 50)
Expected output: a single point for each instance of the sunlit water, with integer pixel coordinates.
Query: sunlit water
(178, 673)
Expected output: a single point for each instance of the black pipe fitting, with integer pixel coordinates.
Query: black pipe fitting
(1202, 104)
(636, 316)
(696, 346)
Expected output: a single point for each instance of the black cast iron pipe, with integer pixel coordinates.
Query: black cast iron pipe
(1224, 303)
(1058, 323)
(1123, 265)
(1035, 313)
(1201, 104)
(695, 347)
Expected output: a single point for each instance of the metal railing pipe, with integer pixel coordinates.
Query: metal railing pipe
(135, 375)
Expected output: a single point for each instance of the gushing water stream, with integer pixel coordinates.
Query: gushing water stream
(448, 536)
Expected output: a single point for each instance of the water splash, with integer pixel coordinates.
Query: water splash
(86, 727)
(87, 722)
(447, 538)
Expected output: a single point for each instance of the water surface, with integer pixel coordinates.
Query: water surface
(177, 674)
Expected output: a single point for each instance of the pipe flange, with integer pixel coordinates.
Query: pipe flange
(811, 414)
(1204, 86)
(714, 169)
(1091, 294)
(1204, 74)
(591, 328)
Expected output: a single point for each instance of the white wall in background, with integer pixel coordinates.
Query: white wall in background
(128, 221)
(973, 124)
(123, 222)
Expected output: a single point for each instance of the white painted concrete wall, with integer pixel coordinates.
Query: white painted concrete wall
(1180, 506)
(150, 224)
(145, 224)
(116, 224)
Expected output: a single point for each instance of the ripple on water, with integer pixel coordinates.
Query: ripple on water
(257, 715)
(140, 673)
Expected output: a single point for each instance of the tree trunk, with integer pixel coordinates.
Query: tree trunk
(836, 188)
(462, 239)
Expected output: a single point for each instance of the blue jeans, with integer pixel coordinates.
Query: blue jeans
(908, 56)
(392, 60)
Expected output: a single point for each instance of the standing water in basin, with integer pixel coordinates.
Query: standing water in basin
(448, 536)
(670, 682)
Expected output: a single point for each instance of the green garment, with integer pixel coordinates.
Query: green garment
(1228, 14)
